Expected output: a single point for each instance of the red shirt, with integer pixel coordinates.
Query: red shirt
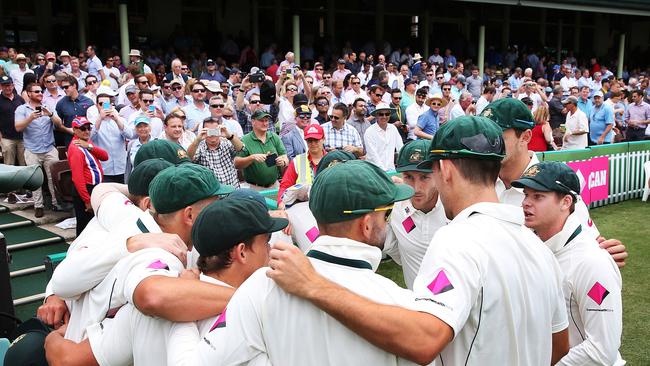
(291, 175)
(537, 141)
(85, 167)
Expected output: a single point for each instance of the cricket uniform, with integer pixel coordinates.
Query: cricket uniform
(262, 319)
(134, 338)
(515, 196)
(490, 278)
(304, 227)
(409, 234)
(592, 293)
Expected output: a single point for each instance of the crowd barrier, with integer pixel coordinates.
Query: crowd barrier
(608, 173)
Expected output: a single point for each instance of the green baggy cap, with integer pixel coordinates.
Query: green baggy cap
(164, 149)
(509, 113)
(225, 223)
(332, 158)
(180, 186)
(351, 189)
(413, 154)
(550, 176)
(468, 137)
(143, 174)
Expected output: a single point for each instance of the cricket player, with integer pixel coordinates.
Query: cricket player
(517, 122)
(231, 251)
(488, 291)
(92, 254)
(592, 289)
(350, 202)
(414, 222)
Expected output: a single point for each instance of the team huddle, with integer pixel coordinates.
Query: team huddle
(502, 263)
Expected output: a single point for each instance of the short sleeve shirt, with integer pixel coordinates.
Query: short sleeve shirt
(38, 136)
(260, 173)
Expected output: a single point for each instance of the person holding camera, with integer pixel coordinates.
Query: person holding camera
(215, 148)
(533, 91)
(37, 124)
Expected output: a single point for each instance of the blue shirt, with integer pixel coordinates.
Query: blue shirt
(598, 120)
(429, 122)
(195, 116)
(585, 106)
(38, 136)
(68, 109)
(109, 137)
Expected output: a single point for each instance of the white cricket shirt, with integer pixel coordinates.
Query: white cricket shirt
(409, 234)
(494, 282)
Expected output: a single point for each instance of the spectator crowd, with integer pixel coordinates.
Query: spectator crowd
(181, 222)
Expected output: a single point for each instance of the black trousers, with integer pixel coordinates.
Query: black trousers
(113, 179)
(635, 134)
(83, 217)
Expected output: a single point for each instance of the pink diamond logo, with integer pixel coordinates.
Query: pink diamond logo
(220, 322)
(408, 224)
(598, 293)
(312, 234)
(158, 265)
(440, 284)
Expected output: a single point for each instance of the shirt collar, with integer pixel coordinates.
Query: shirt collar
(570, 230)
(500, 211)
(345, 252)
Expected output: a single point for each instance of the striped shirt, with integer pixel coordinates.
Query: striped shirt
(85, 167)
(335, 138)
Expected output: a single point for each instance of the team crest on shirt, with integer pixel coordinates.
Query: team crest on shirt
(598, 293)
(415, 157)
(532, 171)
(440, 284)
(182, 154)
(221, 321)
(333, 162)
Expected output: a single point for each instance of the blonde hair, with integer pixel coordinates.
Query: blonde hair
(541, 115)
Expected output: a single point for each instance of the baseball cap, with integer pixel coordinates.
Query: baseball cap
(341, 61)
(143, 174)
(260, 114)
(213, 86)
(314, 131)
(411, 155)
(161, 148)
(303, 109)
(469, 137)
(550, 176)
(27, 350)
(570, 99)
(409, 81)
(130, 89)
(174, 81)
(300, 99)
(239, 219)
(182, 185)
(352, 189)
(421, 91)
(247, 193)
(460, 79)
(598, 94)
(141, 119)
(80, 121)
(556, 67)
(332, 158)
(509, 113)
(209, 61)
(5, 80)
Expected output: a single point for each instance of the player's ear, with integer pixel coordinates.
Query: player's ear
(238, 253)
(145, 203)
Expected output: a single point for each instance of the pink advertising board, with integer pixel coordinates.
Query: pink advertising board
(594, 178)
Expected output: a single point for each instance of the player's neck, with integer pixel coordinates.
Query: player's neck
(470, 195)
(232, 276)
(552, 228)
(514, 169)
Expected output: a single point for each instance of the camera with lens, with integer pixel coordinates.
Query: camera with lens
(257, 77)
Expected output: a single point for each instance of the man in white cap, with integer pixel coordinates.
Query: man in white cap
(429, 121)
(64, 57)
(18, 73)
(136, 58)
(382, 139)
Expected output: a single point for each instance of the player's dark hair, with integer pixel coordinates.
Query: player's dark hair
(221, 261)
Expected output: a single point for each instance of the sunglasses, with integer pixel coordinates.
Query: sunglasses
(319, 69)
(51, 59)
(41, 59)
(84, 128)
(388, 210)
(92, 82)
(398, 98)
(217, 105)
(436, 104)
(198, 90)
(177, 88)
(304, 116)
(184, 68)
(356, 83)
(109, 60)
(254, 102)
(335, 118)
(440, 77)
(383, 114)
(429, 74)
(65, 87)
(51, 81)
(36, 91)
(379, 95)
(327, 77)
(445, 89)
(166, 87)
(147, 101)
(322, 104)
(143, 81)
(292, 89)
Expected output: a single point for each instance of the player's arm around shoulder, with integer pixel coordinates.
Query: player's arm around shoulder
(413, 335)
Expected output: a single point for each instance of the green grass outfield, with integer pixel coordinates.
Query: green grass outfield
(629, 222)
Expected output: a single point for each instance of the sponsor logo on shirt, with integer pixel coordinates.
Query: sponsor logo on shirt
(598, 293)
(440, 284)
(408, 224)
(158, 265)
(312, 234)
(221, 321)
